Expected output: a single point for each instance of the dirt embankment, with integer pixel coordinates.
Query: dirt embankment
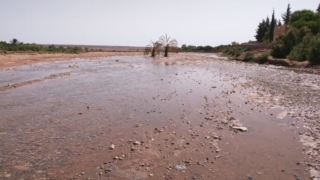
(17, 59)
(245, 57)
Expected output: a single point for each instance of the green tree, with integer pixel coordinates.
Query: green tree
(279, 23)
(286, 16)
(207, 48)
(266, 30)
(262, 30)
(14, 42)
(184, 47)
(285, 43)
(306, 18)
(318, 10)
(272, 26)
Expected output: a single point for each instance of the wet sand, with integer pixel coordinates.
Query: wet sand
(17, 59)
(133, 117)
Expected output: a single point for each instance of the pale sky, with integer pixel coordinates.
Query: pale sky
(137, 22)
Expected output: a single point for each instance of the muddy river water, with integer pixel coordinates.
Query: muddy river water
(131, 118)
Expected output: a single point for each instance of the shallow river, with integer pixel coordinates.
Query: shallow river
(130, 118)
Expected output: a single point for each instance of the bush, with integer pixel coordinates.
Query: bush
(308, 49)
(226, 51)
(285, 43)
(38, 48)
(262, 58)
(244, 49)
(299, 52)
(313, 51)
(306, 18)
(248, 56)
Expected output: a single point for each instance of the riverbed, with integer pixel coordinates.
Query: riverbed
(134, 117)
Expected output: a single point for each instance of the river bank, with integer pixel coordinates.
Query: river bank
(27, 58)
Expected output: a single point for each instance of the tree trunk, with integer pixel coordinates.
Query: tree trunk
(153, 52)
(166, 49)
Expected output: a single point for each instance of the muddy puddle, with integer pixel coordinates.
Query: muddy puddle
(129, 118)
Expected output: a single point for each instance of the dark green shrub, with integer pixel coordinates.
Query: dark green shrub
(244, 49)
(285, 43)
(227, 50)
(313, 52)
(262, 58)
(248, 56)
(299, 52)
(236, 52)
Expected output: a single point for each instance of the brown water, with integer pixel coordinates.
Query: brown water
(62, 127)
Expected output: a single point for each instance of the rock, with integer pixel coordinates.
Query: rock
(112, 146)
(225, 121)
(7, 176)
(136, 143)
(82, 173)
(232, 119)
(21, 168)
(180, 167)
(240, 128)
(151, 175)
(187, 162)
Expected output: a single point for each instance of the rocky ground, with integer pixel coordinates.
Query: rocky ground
(190, 116)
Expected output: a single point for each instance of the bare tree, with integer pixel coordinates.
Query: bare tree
(155, 48)
(168, 44)
(147, 50)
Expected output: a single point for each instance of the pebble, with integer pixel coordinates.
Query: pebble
(7, 175)
(136, 143)
(112, 146)
(243, 129)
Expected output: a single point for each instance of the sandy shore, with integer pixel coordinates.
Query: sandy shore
(17, 59)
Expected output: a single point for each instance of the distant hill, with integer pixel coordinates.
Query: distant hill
(101, 48)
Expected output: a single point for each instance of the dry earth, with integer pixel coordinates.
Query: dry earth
(17, 59)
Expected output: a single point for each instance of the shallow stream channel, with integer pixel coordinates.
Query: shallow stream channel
(128, 117)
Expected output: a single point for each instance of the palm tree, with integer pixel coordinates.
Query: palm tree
(14, 42)
(168, 44)
(155, 48)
